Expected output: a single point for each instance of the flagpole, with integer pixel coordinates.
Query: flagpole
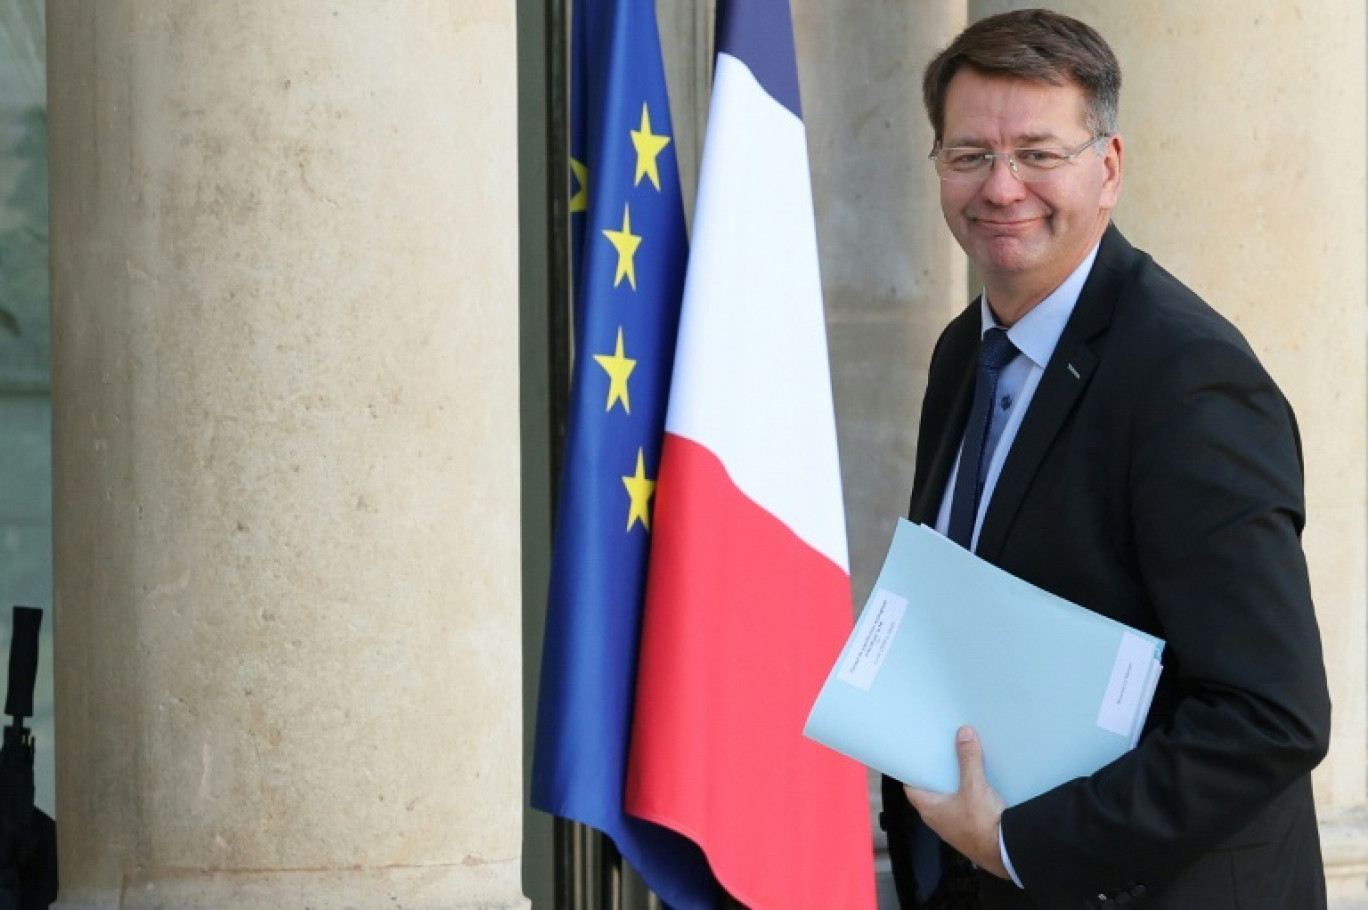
(568, 837)
(559, 279)
(610, 874)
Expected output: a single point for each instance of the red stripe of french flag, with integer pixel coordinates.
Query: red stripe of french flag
(748, 600)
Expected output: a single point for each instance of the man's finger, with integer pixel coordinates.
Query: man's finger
(970, 753)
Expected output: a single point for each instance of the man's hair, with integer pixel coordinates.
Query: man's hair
(1037, 45)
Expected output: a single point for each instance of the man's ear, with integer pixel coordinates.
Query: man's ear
(1112, 154)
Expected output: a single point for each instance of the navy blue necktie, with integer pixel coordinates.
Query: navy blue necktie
(996, 353)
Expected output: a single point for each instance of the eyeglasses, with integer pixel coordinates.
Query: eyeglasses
(1030, 165)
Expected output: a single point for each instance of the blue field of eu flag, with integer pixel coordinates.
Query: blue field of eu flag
(629, 256)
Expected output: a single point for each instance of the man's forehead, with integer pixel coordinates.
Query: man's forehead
(982, 108)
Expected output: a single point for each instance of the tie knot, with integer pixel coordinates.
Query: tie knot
(998, 349)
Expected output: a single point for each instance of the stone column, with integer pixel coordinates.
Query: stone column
(285, 395)
(1244, 124)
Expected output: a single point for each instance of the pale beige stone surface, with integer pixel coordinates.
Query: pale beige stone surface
(285, 473)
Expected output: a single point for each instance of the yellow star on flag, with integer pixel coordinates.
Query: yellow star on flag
(579, 200)
(640, 489)
(626, 243)
(618, 366)
(648, 147)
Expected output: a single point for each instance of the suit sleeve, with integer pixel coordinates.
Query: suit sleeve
(1215, 493)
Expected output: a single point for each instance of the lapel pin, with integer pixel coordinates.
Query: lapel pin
(1074, 371)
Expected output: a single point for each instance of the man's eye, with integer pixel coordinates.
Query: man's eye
(967, 161)
(1040, 157)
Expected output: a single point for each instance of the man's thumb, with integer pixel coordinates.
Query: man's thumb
(970, 753)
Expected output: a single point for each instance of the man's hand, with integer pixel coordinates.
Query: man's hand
(969, 818)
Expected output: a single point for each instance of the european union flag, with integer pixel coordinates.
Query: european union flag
(629, 255)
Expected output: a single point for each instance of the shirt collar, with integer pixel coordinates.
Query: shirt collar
(1037, 333)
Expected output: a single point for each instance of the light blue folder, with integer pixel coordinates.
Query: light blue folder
(1055, 691)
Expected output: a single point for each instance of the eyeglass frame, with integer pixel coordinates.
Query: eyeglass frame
(1039, 175)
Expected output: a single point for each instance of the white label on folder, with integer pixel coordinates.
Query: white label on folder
(1126, 689)
(883, 616)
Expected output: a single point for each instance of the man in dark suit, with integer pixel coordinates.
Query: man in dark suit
(1138, 461)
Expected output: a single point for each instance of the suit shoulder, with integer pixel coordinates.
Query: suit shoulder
(1157, 312)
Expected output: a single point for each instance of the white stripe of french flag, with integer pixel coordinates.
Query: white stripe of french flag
(748, 601)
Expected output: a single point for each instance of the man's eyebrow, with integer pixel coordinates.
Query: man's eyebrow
(1026, 140)
(1035, 140)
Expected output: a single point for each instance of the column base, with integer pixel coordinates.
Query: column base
(1344, 847)
(476, 886)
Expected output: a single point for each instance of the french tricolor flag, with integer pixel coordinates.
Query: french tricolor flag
(748, 599)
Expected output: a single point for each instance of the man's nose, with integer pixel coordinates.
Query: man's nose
(1002, 184)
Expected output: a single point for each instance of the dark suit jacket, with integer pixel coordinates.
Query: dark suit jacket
(1157, 479)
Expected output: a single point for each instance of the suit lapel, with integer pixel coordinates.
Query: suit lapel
(1065, 378)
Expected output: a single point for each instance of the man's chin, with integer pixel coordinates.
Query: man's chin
(1005, 254)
